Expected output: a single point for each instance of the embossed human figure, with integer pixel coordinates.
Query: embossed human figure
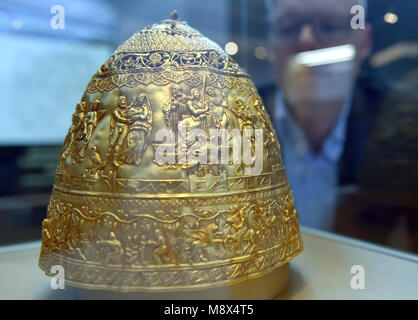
(175, 107)
(244, 116)
(270, 145)
(161, 246)
(193, 118)
(219, 108)
(189, 107)
(90, 123)
(198, 109)
(119, 126)
(116, 249)
(77, 123)
(242, 229)
(139, 115)
(246, 120)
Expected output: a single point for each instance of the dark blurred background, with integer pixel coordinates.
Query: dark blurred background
(44, 72)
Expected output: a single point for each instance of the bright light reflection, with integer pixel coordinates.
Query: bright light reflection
(326, 56)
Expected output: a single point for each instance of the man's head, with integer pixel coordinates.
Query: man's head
(194, 93)
(305, 25)
(83, 106)
(123, 102)
(96, 105)
(214, 95)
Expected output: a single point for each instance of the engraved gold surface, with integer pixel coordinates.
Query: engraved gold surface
(118, 220)
(262, 288)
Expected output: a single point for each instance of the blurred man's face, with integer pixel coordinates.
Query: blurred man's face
(305, 25)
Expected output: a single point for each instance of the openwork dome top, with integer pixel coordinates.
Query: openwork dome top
(169, 43)
(168, 35)
(170, 176)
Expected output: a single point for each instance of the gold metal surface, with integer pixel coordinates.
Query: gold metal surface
(120, 220)
(263, 288)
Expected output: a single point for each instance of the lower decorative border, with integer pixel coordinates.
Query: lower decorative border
(130, 280)
(170, 244)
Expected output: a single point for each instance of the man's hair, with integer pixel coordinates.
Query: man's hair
(270, 8)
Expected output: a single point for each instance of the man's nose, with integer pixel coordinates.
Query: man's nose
(307, 39)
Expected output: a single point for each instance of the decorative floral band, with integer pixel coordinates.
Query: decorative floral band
(128, 62)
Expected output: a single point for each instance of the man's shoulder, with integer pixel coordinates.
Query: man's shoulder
(367, 97)
(366, 104)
